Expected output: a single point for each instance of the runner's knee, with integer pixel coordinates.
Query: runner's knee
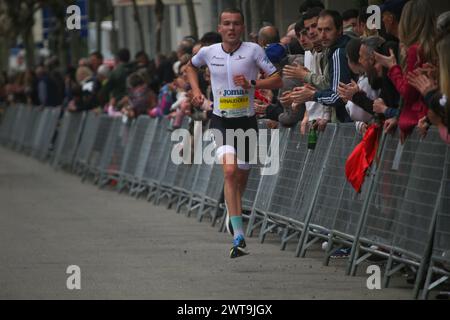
(230, 172)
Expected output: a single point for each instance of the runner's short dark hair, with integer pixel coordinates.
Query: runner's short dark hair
(231, 10)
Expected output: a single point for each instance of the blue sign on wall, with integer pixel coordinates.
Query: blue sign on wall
(48, 19)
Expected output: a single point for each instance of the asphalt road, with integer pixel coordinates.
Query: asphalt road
(130, 249)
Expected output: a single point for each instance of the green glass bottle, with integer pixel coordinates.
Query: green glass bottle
(312, 137)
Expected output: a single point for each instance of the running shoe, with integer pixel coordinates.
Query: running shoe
(341, 253)
(238, 249)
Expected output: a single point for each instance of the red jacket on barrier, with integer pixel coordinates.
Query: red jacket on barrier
(362, 157)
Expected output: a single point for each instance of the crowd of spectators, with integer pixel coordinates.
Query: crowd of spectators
(335, 68)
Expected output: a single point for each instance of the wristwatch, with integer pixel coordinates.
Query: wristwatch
(253, 84)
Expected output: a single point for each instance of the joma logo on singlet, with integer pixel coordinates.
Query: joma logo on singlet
(233, 93)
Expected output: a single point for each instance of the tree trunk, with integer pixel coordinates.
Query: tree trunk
(114, 41)
(75, 48)
(61, 45)
(192, 18)
(28, 42)
(137, 19)
(159, 12)
(98, 24)
(4, 53)
(255, 10)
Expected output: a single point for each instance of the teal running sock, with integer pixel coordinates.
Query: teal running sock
(236, 222)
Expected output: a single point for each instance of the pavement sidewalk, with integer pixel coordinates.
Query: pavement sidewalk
(130, 249)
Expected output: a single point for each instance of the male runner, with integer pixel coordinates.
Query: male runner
(234, 66)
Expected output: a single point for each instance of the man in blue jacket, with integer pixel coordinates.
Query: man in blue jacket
(330, 28)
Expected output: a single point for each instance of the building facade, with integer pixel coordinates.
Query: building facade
(281, 13)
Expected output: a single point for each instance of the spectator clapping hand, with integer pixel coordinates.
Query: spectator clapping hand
(423, 126)
(295, 72)
(286, 99)
(347, 91)
(303, 94)
(261, 107)
(420, 80)
(71, 106)
(386, 61)
(304, 125)
(321, 124)
(272, 124)
(262, 103)
(390, 125)
(186, 107)
(379, 106)
(430, 70)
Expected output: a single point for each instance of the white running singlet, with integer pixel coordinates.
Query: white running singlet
(232, 101)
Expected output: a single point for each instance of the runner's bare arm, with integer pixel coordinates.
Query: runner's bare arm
(272, 82)
(192, 76)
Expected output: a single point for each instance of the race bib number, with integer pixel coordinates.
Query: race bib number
(234, 103)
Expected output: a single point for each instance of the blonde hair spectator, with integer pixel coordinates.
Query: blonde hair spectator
(83, 73)
(418, 26)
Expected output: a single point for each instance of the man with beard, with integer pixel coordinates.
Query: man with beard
(388, 103)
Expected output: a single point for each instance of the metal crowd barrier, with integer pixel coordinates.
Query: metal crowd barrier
(439, 264)
(154, 164)
(18, 126)
(200, 185)
(25, 124)
(45, 133)
(95, 154)
(36, 114)
(175, 192)
(208, 186)
(334, 211)
(117, 147)
(264, 194)
(88, 138)
(183, 191)
(280, 208)
(133, 158)
(68, 139)
(157, 189)
(173, 171)
(254, 178)
(402, 214)
(30, 129)
(7, 124)
(211, 200)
